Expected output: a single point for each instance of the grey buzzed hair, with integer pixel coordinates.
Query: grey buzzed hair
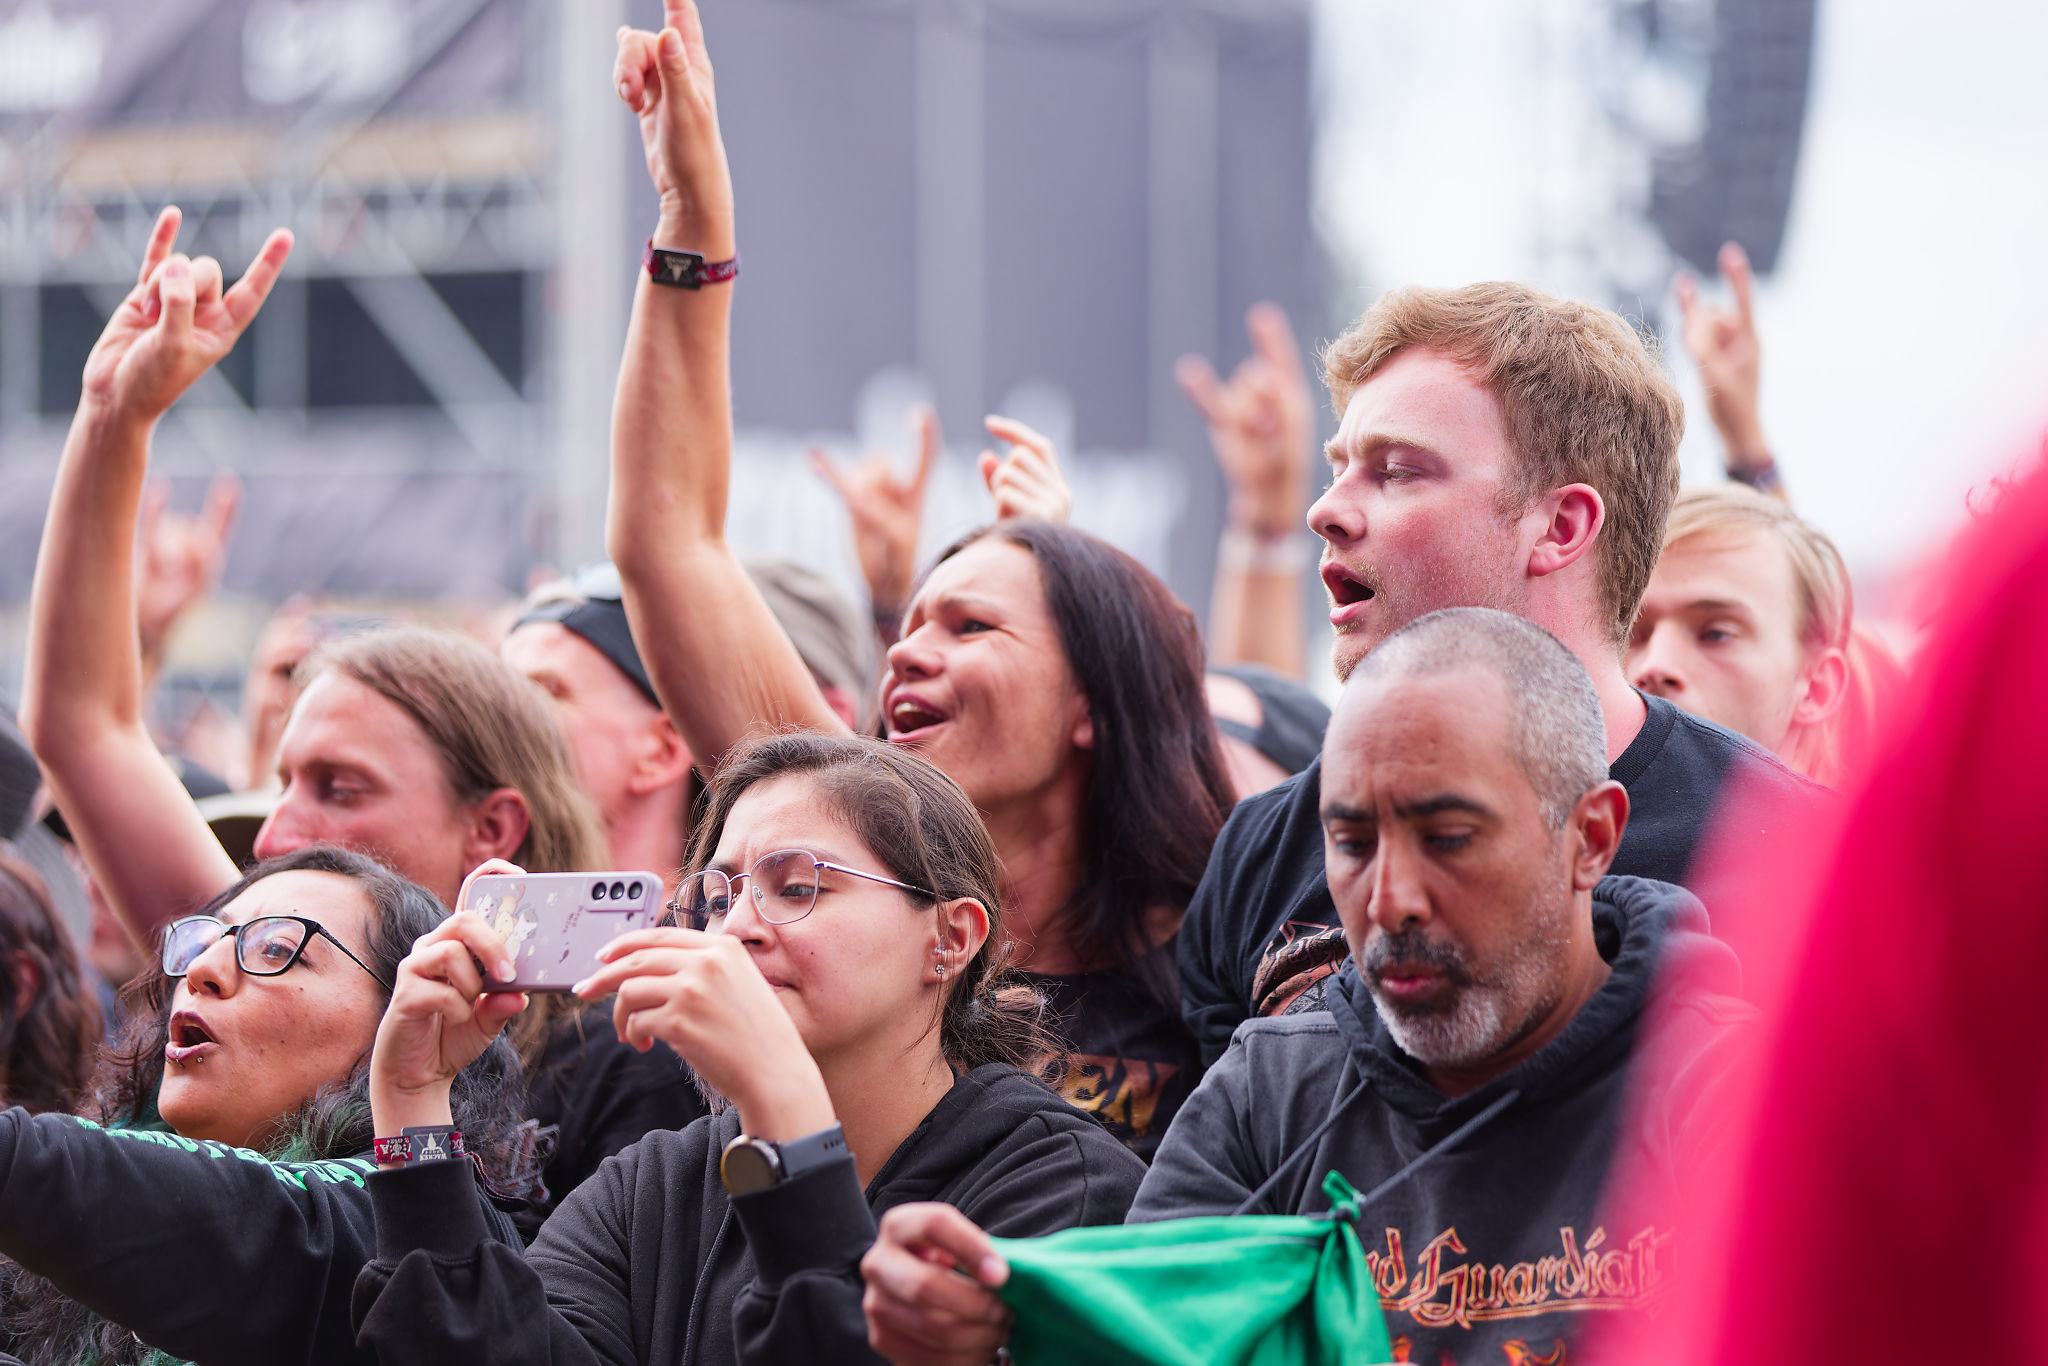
(1560, 735)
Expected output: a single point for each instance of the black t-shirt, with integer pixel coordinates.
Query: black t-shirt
(604, 1095)
(1131, 1061)
(1262, 935)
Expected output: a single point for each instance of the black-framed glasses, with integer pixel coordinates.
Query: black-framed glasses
(783, 887)
(264, 947)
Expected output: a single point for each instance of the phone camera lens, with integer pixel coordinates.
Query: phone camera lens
(597, 892)
(618, 891)
(633, 892)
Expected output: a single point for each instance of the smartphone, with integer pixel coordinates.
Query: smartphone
(553, 924)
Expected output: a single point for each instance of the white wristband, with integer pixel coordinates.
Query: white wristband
(1252, 553)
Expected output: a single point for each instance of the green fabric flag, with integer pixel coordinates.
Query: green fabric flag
(1250, 1290)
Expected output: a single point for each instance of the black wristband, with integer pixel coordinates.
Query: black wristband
(685, 269)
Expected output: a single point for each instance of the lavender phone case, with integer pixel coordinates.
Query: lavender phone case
(553, 924)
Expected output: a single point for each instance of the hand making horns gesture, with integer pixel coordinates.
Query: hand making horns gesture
(176, 323)
(665, 78)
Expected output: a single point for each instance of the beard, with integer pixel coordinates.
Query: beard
(1486, 1007)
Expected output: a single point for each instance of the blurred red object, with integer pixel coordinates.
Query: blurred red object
(1884, 1189)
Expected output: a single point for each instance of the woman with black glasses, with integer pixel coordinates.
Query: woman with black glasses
(221, 1214)
(841, 990)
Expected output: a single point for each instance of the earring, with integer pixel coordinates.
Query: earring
(940, 969)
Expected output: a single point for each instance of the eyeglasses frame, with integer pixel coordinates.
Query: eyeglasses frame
(733, 880)
(237, 931)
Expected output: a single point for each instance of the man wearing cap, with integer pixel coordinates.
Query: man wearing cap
(572, 640)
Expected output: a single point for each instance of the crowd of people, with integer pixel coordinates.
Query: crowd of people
(1020, 902)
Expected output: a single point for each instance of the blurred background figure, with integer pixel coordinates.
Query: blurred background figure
(49, 1020)
(1054, 213)
(1903, 965)
(1746, 622)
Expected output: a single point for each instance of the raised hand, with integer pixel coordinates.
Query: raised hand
(442, 1016)
(887, 512)
(1723, 343)
(921, 1309)
(175, 324)
(665, 78)
(182, 557)
(1025, 481)
(1261, 425)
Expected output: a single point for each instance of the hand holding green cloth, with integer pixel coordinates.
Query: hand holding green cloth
(1249, 1290)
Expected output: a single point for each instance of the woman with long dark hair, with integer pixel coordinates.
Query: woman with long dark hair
(844, 995)
(217, 1209)
(1053, 677)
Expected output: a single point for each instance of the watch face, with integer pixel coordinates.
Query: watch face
(747, 1165)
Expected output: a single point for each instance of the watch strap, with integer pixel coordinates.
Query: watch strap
(812, 1151)
(685, 269)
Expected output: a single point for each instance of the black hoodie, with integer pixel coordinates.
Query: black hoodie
(208, 1252)
(650, 1261)
(1495, 1250)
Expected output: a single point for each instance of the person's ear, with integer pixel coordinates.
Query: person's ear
(1599, 816)
(662, 760)
(28, 982)
(1083, 735)
(962, 927)
(1825, 685)
(1567, 521)
(497, 826)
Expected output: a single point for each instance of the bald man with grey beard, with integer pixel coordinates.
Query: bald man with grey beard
(1489, 1014)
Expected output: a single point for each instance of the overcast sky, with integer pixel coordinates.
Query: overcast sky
(1906, 330)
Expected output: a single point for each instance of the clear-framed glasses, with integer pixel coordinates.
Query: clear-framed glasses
(264, 947)
(783, 887)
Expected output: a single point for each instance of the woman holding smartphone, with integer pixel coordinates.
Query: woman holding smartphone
(843, 995)
(220, 1214)
(418, 747)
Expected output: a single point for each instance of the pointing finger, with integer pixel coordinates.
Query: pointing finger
(223, 501)
(1688, 291)
(822, 466)
(925, 423)
(1272, 337)
(1735, 265)
(1198, 381)
(1017, 434)
(162, 237)
(243, 301)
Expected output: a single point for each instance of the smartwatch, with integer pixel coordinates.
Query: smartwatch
(754, 1164)
(685, 269)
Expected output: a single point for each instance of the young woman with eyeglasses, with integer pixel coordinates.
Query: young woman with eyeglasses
(1050, 675)
(844, 997)
(416, 746)
(221, 1213)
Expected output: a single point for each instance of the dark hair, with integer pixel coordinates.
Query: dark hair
(46, 1325)
(1157, 788)
(927, 833)
(49, 1020)
(336, 1121)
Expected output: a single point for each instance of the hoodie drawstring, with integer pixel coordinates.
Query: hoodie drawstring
(1437, 1149)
